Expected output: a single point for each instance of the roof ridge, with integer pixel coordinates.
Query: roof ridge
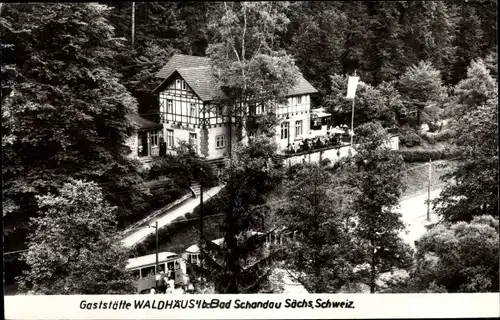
(188, 68)
(189, 55)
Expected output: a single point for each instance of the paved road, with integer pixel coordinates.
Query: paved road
(414, 211)
(166, 218)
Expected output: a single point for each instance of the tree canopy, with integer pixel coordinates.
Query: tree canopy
(247, 62)
(472, 187)
(240, 263)
(321, 252)
(457, 257)
(74, 248)
(64, 110)
(378, 177)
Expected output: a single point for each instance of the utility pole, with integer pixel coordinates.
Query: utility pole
(201, 224)
(201, 211)
(429, 192)
(133, 23)
(352, 118)
(156, 267)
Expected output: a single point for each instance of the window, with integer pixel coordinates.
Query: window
(192, 140)
(178, 84)
(183, 84)
(219, 111)
(170, 138)
(148, 272)
(154, 139)
(284, 130)
(193, 258)
(252, 110)
(299, 99)
(136, 274)
(170, 106)
(220, 141)
(298, 128)
(192, 109)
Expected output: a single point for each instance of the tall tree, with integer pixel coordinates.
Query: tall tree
(159, 33)
(476, 32)
(318, 43)
(321, 253)
(64, 110)
(491, 62)
(472, 187)
(478, 88)
(371, 104)
(239, 264)
(246, 60)
(74, 248)
(378, 177)
(420, 86)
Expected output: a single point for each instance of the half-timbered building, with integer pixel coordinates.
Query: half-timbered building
(187, 93)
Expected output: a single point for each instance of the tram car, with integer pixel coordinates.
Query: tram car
(178, 267)
(170, 266)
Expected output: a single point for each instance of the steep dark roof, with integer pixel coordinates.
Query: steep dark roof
(179, 61)
(200, 80)
(302, 87)
(144, 124)
(196, 72)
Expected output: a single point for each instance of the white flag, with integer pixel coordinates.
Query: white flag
(351, 87)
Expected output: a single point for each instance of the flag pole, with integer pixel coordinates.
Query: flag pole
(429, 192)
(352, 122)
(133, 23)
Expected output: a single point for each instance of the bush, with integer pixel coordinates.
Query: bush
(429, 138)
(433, 127)
(325, 162)
(409, 137)
(162, 192)
(424, 155)
(183, 169)
(443, 135)
(292, 170)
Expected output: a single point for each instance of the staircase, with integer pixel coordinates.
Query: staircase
(279, 158)
(196, 189)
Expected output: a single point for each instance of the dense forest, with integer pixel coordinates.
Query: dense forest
(60, 61)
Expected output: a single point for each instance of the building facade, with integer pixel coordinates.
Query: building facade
(187, 112)
(147, 141)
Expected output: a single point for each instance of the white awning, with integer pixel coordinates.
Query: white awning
(323, 114)
(336, 130)
(320, 112)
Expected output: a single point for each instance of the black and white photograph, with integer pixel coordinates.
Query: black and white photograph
(274, 147)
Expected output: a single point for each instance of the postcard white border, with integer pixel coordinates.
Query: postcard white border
(365, 306)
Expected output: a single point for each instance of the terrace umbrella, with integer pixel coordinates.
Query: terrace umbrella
(308, 136)
(336, 130)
